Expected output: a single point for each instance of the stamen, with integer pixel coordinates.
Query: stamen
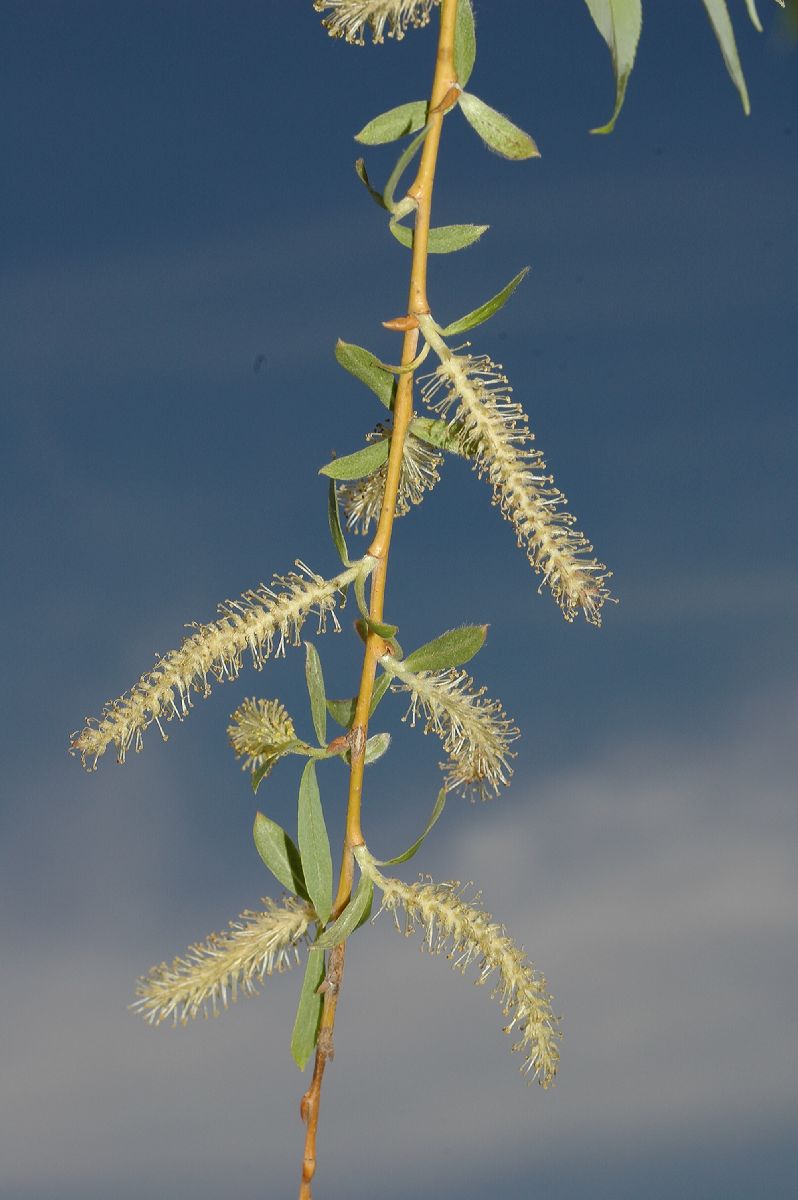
(497, 430)
(349, 19)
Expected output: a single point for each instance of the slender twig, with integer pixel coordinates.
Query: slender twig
(420, 191)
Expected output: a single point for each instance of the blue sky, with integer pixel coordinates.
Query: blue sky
(179, 200)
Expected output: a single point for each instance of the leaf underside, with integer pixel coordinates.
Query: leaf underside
(619, 22)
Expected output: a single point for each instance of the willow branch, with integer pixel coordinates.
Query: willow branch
(420, 191)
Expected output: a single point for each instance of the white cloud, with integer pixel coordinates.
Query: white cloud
(656, 888)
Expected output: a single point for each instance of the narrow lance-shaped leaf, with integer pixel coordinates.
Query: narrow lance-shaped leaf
(308, 1013)
(496, 130)
(445, 239)
(721, 23)
(343, 711)
(465, 42)
(360, 596)
(334, 520)
(380, 688)
(367, 368)
(754, 15)
(363, 176)
(279, 854)
(396, 123)
(359, 464)
(402, 163)
(314, 844)
(619, 22)
(356, 911)
(314, 678)
(413, 850)
(486, 310)
(451, 649)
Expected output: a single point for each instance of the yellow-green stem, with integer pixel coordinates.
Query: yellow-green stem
(420, 191)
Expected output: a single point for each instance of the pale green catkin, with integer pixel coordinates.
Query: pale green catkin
(478, 397)
(263, 621)
(466, 934)
(261, 732)
(213, 973)
(475, 731)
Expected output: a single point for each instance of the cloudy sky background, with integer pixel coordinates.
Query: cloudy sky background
(180, 200)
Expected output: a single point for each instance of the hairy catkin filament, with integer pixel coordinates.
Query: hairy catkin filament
(475, 731)
(213, 973)
(263, 621)
(361, 500)
(478, 397)
(349, 19)
(261, 733)
(452, 925)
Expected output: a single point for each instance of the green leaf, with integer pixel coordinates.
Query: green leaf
(438, 433)
(361, 463)
(465, 42)
(487, 309)
(721, 23)
(295, 747)
(308, 1013)
(279, 855)
(314, 844)
(343, 711)
(365, 367)
(619, 22)
(318, 699)
(366, 625)
(496, 130)
(261, 774)
(443, 240)
(754, 15)
(381, 686)
(362, 174)
(402, 163)
(360, 594)
(395, 123)
(356, 912)
(334, 520)
(451, 649)
(376, 747)
(412, 850)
